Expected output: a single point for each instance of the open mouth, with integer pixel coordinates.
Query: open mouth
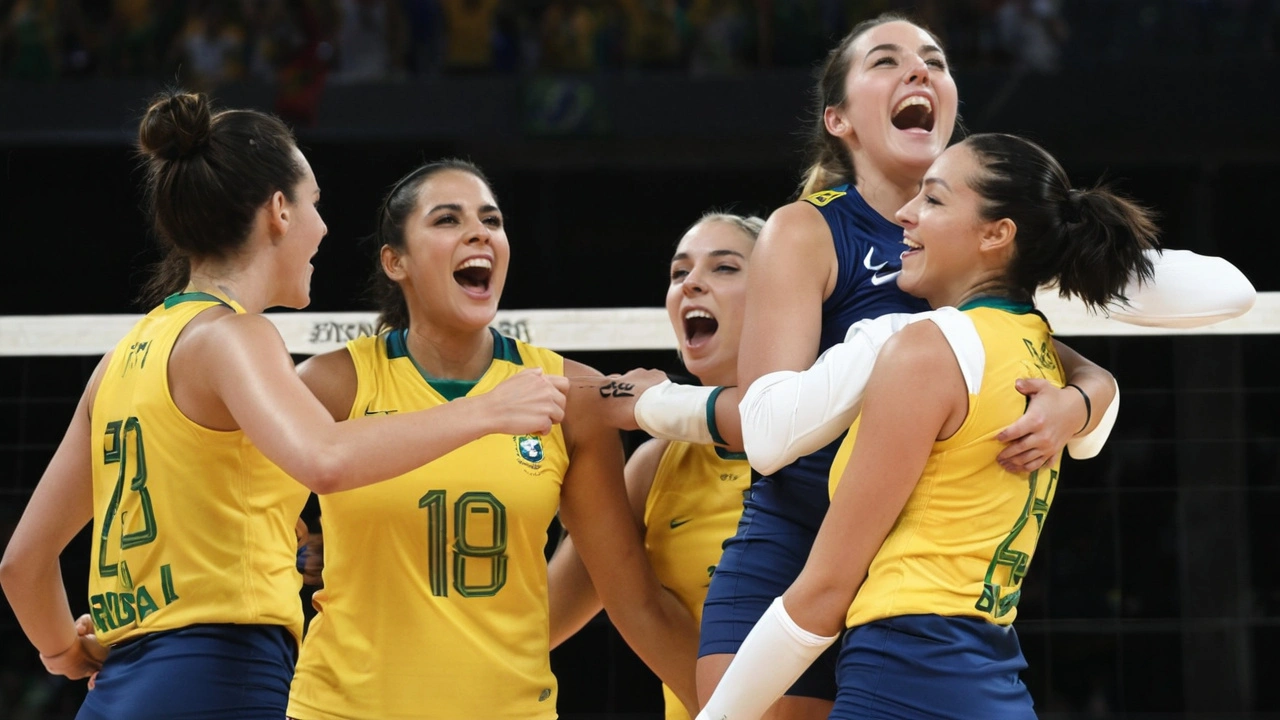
(912, 246)
(914, 113)
(474, 274)
(699, 327)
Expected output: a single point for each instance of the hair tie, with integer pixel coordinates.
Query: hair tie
(1071, 206)
(1088, 406)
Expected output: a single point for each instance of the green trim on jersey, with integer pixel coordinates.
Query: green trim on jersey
(396, 347)
(724, 454)
(179, 298)
(504, 348)
(999, 303)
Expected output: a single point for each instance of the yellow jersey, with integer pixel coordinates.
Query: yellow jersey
(693, 506)
(435, 595)
(190, 525)
(962, 544)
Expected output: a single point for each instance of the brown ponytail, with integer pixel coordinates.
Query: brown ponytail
(1090, 242)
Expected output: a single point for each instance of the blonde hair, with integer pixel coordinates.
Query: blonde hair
(751, 225)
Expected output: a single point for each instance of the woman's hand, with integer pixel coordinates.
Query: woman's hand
(1054, 415)
(83, 658)
(528, 403)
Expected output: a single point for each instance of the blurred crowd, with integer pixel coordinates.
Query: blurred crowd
(204, 43)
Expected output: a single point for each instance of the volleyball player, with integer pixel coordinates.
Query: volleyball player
(435, 583)
(923, 551)
(687, 497)
(886, 109)
(173, 448)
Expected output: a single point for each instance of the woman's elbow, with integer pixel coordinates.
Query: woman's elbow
(322, 473)
(819, 607)
(14, 568)
(7, 569)
(766, 461)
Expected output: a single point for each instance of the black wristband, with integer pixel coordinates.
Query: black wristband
(1088, 406)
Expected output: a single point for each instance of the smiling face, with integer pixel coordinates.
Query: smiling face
(707, 297)
(945, 233)
(900, 101)
(453, 264)
(300, 242)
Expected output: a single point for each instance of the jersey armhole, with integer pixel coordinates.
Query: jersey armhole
(214, 303)
(966, 344)
(658, 483)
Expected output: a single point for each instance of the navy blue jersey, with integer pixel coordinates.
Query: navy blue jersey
(783, 512)
(868, 257)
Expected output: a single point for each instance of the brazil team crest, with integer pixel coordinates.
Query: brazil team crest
(820, 199)
(530, 448)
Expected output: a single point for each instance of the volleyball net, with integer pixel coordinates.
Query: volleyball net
(563, 330)
(1194, 461)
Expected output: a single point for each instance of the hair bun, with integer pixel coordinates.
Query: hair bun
(177, 125)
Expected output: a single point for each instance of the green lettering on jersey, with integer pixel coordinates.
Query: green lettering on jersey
(127, 616)
(113, 610)
(98, 613)
(146, 605)
(471, 507)
(1017, 562)
(476, 504)
(114, 452)
(166, 585)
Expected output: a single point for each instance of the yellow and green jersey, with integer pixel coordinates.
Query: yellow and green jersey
(190, 525)
(435, 597)
(692, 508)
(964, 540)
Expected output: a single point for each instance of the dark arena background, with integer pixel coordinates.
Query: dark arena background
(607, 126)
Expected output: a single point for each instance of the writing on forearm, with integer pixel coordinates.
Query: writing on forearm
(614, 388)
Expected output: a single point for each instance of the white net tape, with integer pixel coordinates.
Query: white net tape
(307, 333)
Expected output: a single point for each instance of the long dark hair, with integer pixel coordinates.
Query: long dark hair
(207, 174)
(397, 206)
(1089, 241)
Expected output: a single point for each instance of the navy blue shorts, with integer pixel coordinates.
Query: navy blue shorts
(920, 667)
(202, 672)
(759, 563)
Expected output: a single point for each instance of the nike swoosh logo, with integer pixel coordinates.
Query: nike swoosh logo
(368, 411)
(866, 261)
(876, 277)
(677, 523)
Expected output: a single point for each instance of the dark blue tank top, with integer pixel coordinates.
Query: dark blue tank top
(868, 248)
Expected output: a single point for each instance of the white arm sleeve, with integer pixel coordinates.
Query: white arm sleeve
(788, 414)
(684, 413)
(1188, 290)
(771, 659)
(1087, 446)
